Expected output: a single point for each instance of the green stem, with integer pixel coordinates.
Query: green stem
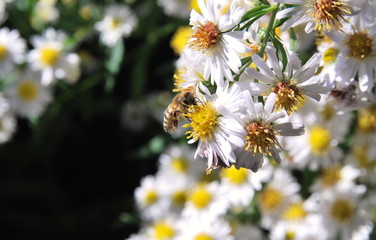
(268, 30)
(264, 43)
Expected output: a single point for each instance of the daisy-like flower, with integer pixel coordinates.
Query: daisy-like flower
(46, 11)
(27, 96)
(119, 21)
(292, 85)
(151, 198)
(49, 57)
(341, 211)
(218, 47)
(215, 229)
(178, 161)
(320, 15)
(215, 124)
(276, 196)
(357, 54)
(134, 116)
(12, 49)
(8, 121)
(205, 201)
(180, 39)
(261, 132)
(165, 228)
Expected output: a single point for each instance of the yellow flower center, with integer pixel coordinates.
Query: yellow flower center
(204, 120)
(289, 96)
(203, 236)
(49, 56)
(180, 39)
(115, 22)
(330, 176)
(205, 37)
(342, 210)
(260, 138)
(200, 197)
(330, 55)
(319, 140)
(179, 198)
(290, 235)
(27, 91)
(163, 231)
(327, 14)
(3, 51)
(151, 197)
(270, 199)
(361, 155)
(294, 212)
(180, 165)
(367, 119)
(360, 45)
(86, 12)
(328, 112)
(234, 175)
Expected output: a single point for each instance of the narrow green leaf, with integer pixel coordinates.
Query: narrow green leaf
(281, 52)
(115, 57)
(293, 40)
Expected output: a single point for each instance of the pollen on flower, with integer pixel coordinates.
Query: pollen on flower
(290, 235)
(200, 197)
(361, 156)
(179, 198)
(260, 138)
(289, 96)
(203, 121)
(205, 37)
(367, 119)
(294, 212)
(330, 176)
(327, 14)
(115, 22)
(180, 165)
(319, 140)
(27, 91)
(342, 210)
(330, 55)
(234, 175)
(203, 236)
(270, 199)
(150, 197)
(3, 51)
(49, 56)
(163, 231)
(360, 45)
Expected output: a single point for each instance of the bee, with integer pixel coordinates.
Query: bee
(178, 106)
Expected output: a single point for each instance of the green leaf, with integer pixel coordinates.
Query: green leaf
(281, 52)
(293, 40)
(256, 12)
(115, 57)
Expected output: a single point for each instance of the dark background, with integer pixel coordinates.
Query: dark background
(72, 173)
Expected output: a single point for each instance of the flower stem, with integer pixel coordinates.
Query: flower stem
(268, 30)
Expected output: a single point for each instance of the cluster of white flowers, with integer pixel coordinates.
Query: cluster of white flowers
(258, 102)
(28, 76)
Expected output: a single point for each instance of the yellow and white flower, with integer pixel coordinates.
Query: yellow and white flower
(119, 21)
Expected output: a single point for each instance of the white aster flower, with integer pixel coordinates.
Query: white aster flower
(320, 15)
(215, 229)
(133, 116)
(119, 21)
(357, 54)
(12, 49)
(178, 161)
(46, 11)
(165, 228)
(49, 57)
(151, 198)
(205, 201)
(214, 123)
(276, 196)
(27, 96)
(8, 121)
(243, 231)
(292, 85)
(218, 47)
(261, 131)
(342, 214)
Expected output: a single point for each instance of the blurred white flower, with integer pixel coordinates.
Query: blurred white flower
(178, 9)
(49, 57)
(27, 96)
(119, 21)
(133, 116)
(12, 50)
